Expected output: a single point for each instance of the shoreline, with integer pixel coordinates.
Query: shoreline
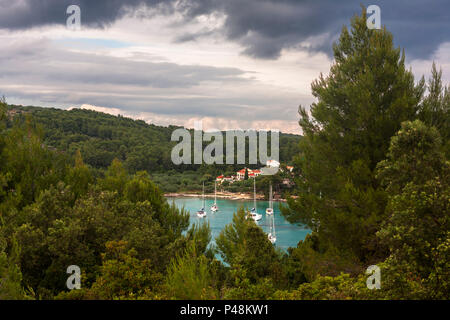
(220, 195)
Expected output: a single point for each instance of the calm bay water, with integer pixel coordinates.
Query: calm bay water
(288, 235)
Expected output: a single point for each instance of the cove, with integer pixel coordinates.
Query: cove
(288, 235)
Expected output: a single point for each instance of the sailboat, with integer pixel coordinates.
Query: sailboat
(214, 207)
(254, 213)
(202, 213)
(269, 211)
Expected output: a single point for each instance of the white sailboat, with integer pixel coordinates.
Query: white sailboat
(202, 213)
(254, 212)
(269, 211)
(214, 207)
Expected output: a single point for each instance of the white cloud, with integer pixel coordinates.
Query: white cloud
(441, 57)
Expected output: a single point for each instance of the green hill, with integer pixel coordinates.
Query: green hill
(102, 137)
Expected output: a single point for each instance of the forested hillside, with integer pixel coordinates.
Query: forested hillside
(102, 137)
(372, 183)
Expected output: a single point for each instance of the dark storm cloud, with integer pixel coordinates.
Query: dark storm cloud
(266, 27)
(263, 27)
(22, 14)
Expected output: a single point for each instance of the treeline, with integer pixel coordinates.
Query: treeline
(140, 146)
(192, 181)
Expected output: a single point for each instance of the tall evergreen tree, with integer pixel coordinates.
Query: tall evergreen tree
(360, 105)
(435, 109)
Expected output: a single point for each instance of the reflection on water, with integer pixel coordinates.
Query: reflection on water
(288, 235)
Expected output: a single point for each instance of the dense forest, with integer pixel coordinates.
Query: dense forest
(101, 138)
(372, 182)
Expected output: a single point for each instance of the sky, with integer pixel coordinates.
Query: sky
(244, 64)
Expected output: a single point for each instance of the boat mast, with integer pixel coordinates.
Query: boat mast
(273, 222)
(215, 193)
(273, 215)
(270, 206)
(254, 193)
(270, 197)
(203, 194)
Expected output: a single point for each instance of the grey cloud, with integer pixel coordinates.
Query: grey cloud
(263, 27)
(36, 60)
(22, 14)
(52, 76)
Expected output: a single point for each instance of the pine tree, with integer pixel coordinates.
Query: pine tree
(79, 177)
(360, 105)
(435, 109)
(189, 277)
(244, 245)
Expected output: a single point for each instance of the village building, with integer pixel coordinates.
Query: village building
(240, 175)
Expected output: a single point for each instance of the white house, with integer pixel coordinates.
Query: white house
(240, 175)
(272, 164)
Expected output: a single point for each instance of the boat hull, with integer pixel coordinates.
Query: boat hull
(272, 238)
(201, 214)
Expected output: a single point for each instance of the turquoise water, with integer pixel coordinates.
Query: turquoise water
(288, 235)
